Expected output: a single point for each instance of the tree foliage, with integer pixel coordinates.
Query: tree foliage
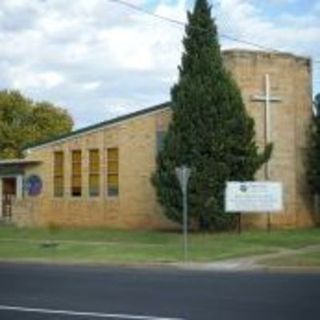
(317, 104)
(313, 168)
(23, 121)
(210, 131)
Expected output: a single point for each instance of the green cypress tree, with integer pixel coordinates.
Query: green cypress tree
(210, 131)
(313, 169)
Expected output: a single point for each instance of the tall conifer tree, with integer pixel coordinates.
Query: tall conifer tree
(210, 131)
(313, 168)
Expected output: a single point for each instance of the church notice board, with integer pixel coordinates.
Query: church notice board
(253, 197)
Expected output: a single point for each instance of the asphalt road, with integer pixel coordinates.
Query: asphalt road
(32, 292)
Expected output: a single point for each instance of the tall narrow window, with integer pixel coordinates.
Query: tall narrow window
(94, 173)
(113, 171)
(76, 173)
(160, 140)
(58, 174)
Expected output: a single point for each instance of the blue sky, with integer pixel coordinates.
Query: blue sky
(277, 8)
(100, 59)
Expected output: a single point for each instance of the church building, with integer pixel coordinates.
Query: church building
(100, 175)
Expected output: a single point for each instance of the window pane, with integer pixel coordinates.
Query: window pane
(58, 174)
(113, 179)
(113, 191)
(94, 185)
(76, 168)
(94, 167)
(113, 167)
(160, 140)
(76, 156)
(113, 172)
(76, 191)
(94, 173)
(94, 191)
(94, 155)
(94, 180)
(113, 153)
(58, 186)
(76, 173)
(76, 181)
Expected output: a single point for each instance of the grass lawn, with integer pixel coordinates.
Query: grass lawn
(308, 259)
(102, 245)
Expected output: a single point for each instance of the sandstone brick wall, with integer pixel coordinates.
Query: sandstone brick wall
(290, 80)
(136, 205)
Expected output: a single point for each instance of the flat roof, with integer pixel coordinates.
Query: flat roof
(271, 53)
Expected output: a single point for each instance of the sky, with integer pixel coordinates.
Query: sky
(100, 59)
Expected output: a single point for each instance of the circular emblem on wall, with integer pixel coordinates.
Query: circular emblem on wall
(33, 185)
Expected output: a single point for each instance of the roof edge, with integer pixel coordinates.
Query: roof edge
(98, 125)
(287, 54)
(8, 162)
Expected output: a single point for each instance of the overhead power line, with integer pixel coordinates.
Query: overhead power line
(181, 23)
(145, 11)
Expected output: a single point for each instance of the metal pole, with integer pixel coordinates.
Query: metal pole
(267, 122)
(239, 223)
(185, 226)
(1, 200)
(267, 137)
(183, 174)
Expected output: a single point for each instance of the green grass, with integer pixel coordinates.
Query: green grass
(102, 245)
(308, 259)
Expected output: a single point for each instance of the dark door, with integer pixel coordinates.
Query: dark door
(9, 190)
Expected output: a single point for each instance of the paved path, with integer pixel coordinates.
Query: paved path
(32, 292)
(251, 262)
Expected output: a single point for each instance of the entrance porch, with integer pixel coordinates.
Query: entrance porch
(12, 185)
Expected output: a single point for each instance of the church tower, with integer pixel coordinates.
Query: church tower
(277, 91)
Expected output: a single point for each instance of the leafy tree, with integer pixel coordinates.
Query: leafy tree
(210, 130)
(313, 170)
(23, 121)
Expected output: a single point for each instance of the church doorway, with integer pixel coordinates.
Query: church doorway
(9, 193)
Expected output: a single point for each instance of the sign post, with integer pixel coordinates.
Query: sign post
(183, 174)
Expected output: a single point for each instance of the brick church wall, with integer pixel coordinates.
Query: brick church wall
(290, 80)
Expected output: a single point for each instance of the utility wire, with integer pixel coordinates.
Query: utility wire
(145, 11)
(180, 23)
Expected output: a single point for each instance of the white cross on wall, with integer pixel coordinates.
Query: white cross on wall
(267, 99)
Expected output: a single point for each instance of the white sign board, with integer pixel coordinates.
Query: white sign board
(253, 197)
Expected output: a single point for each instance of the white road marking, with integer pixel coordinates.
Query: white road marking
(78, 313)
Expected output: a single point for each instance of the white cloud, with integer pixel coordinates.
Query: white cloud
(129, 48)
(299, 34)
(99, 58)
(91, 85)
(22, 78)
(64, 49)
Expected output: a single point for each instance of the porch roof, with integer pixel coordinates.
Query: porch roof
(8, 162)
(15, 166)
